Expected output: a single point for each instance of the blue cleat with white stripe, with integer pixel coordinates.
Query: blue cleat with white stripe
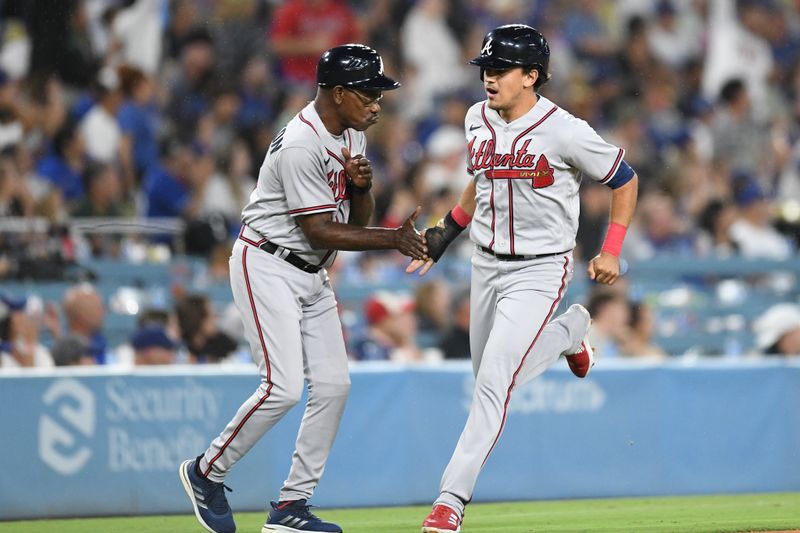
(208, 499)
(296, 517)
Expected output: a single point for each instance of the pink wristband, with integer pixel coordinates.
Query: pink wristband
(460, 216)
(614, 237)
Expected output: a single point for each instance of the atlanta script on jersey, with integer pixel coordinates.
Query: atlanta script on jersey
(528, 173)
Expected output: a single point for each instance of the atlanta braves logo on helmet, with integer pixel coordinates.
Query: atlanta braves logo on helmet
(487, 48)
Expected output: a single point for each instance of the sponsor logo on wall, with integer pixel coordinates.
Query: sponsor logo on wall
(142, 427)
(66, 424)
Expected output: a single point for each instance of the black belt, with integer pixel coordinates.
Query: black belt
(511, 257)
(291, 258)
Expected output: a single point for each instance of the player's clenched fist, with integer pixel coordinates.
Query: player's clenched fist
(409, 241)
(604, 268)
(358, 168)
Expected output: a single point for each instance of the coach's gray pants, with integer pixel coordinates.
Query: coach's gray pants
(292, 325)
(513, 340)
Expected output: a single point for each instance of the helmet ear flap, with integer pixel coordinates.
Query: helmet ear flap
(482, 71)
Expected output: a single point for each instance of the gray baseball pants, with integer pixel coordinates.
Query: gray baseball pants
(292, 325)
(513, 340)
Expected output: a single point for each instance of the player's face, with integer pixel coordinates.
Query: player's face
(362, 107)
(504, 88)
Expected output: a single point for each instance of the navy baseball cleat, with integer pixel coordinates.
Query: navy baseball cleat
(208, 499)
(296, 516)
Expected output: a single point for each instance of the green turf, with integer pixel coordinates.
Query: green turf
(743, 512)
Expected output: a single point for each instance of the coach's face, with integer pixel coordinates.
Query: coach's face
(505, 87)
(359, 108)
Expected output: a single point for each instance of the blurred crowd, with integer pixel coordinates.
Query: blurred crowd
(164, 109)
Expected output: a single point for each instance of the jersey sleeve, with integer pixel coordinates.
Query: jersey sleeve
(304, 181)
(594, 157)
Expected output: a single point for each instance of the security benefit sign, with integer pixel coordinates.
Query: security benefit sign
(107, 434)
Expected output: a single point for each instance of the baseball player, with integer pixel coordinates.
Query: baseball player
(526, 158)
(312, 198)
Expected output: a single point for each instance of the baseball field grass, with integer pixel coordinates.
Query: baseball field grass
(724, 513)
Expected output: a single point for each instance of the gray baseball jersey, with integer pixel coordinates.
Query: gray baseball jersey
(303, 173)
(527, 176)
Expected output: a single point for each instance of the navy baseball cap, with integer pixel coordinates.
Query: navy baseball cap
(152, 337)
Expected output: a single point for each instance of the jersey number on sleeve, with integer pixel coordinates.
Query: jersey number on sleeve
(275, 145)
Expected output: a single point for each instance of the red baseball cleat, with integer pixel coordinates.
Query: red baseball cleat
(582, 362)
(442, 520)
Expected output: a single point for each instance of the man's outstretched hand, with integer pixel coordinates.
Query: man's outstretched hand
(409, 241)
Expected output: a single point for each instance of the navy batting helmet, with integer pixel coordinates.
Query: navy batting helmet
(515, 45)
(355, 66)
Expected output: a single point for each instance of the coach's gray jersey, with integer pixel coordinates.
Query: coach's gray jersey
(303, 173)
(527, 176)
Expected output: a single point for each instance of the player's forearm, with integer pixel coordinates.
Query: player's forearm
(623, 202)
(467, 201)
(362, 205)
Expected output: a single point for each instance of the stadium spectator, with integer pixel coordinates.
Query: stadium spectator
(660, 229)
(675, 37)
(587, 33)
(19, 336)
(138, 119)
(72, 350)
(191, 90)
(639, 339)
(424, 29)
(715, 222)
(183, 21)
(15, 197)
(447, 159)
(177, 188)
(85, 314)
(100, 127)
(738, 26)
(778, 330)
(197, 321)
(103, 192)
(230, 186)
(303, 29)
(392, 329)
(611, 318)
(60, 41)
(753, 232)
(257, 92)
(135, 35)
(11, 124)
(432, 308)
(738, 137)
(238, 33)
(152, 345)
(218, 127)
(65, 162)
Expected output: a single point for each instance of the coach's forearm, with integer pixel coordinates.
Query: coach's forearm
(362, 205)
(337, 236)
(325, 234)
